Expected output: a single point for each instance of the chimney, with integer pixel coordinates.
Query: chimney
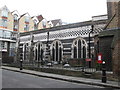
(113, 8)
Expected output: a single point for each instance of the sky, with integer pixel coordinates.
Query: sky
(70, 11)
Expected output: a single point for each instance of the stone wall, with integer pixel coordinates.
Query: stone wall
(113, 15)
(116, 55)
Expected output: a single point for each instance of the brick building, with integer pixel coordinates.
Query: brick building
(7, 35)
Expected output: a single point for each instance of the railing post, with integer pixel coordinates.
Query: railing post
(21, 67)
(104, 79)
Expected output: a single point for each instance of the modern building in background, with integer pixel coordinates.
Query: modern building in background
(7, 34)
(7, 44)
(6, 18)
(12, 23)
(25, 23)
(16, 17)
(22, 23)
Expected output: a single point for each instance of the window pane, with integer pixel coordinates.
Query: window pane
(79, 48)
(75, 52)
(27, 19)
(4, 13)
(1, 33)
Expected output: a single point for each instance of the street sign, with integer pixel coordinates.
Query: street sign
(99, 58)
(88, 59)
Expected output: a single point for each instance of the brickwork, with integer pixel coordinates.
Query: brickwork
(116, 56)
(111, 8)
(113, 15)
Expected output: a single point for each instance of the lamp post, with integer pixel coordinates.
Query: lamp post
(47, 48)
(47, 38)
(89, 49)
(31, 48)
(48, 45)
(38, 53)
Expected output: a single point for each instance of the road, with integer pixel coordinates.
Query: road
(12, 79)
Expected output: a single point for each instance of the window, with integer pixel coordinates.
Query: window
(7, 34)
(0, 45)
(26, 27)
(25, 51)
(4, 45)
(44, 23)
(56, 51)
(15, 26)
(3, 23)
(4, 13)
(38, 51)
(12, 49)
(35, 24)
(1, 33)
(27, 19)
(35, 21)
(15, 17)
(79, 48)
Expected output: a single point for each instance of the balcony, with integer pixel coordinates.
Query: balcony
(7, 35)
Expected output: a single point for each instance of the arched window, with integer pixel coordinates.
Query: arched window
(38, 51)
(25, 51)
(56, 51)
(79, 48)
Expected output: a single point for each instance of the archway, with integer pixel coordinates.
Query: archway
(25, 52)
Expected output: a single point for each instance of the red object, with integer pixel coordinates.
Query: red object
(99, 61)
(99, 58)
(26, 22)
(88, 59)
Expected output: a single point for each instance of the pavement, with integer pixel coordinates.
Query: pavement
(109, 84)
